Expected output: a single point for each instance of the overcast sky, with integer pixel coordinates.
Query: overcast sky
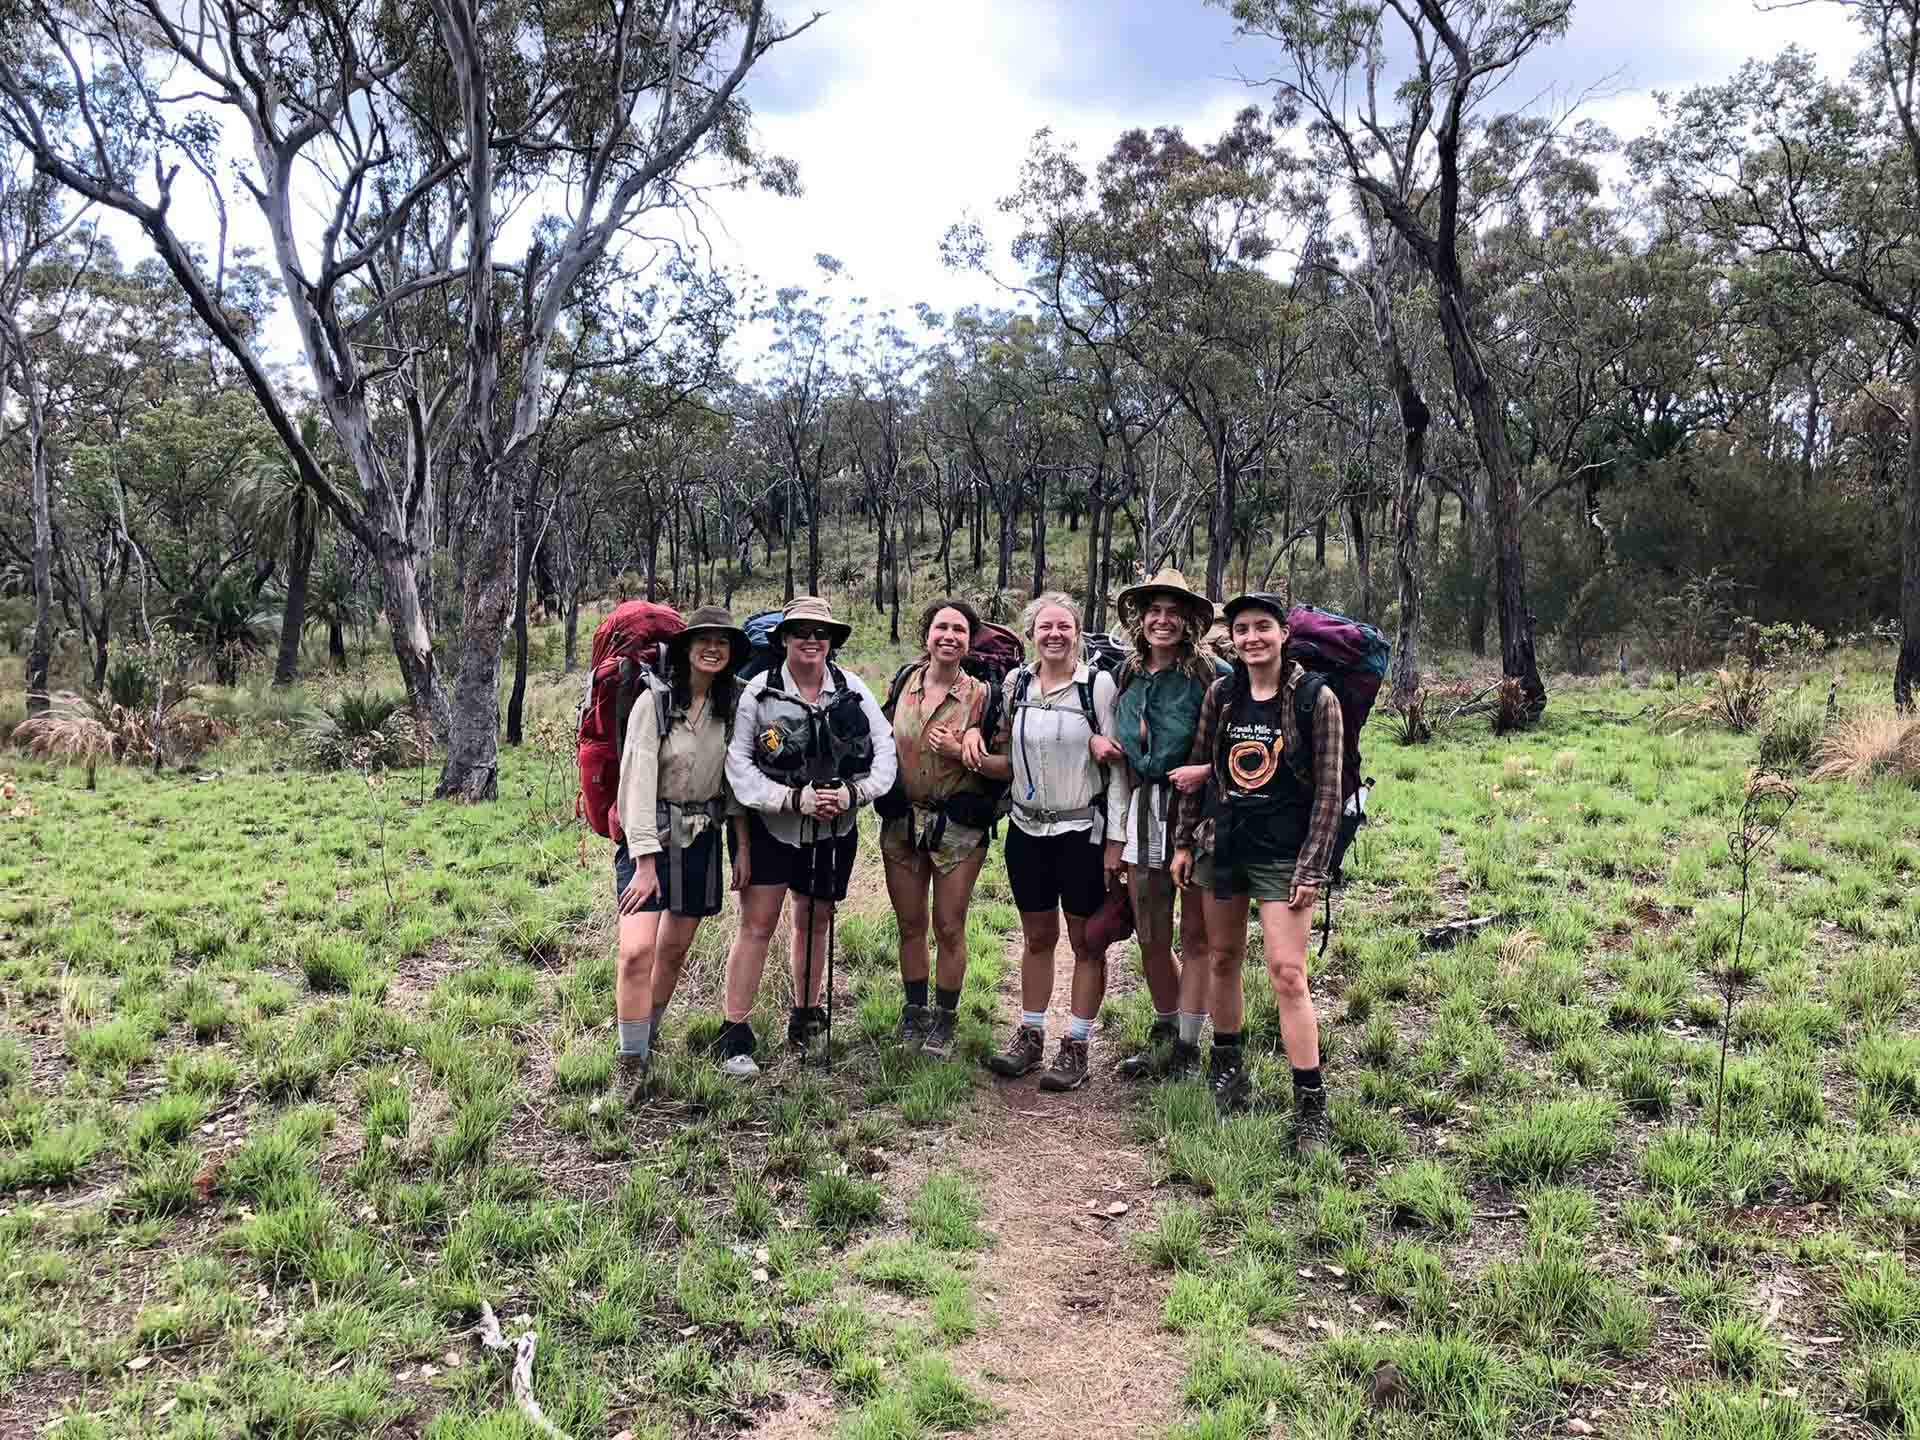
(906, 115)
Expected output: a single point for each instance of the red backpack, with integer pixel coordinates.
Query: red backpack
(626, 658)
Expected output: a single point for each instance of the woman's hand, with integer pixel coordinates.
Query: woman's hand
(973, 747)
(945, 742)
(1181, 868)
(1189, 778)
(1105, 751)
(1110, 860)
(1303, 897)
(643, 887)
(822, 803)
(742, 871)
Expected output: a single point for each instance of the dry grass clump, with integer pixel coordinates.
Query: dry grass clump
(1565, 762)
(89, 730)
(1867, 744)
(1736, 699)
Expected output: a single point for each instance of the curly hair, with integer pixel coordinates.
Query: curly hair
(947, 602)
(1189, 657)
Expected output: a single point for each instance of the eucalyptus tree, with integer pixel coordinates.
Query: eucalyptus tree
(1459, 52)
(447, 113)
(1782, 162)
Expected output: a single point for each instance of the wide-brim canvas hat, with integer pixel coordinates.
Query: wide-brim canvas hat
(712, 620)
(811, 610)
(1133, 601)
(1271, 600)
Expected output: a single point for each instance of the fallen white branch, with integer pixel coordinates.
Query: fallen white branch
(489, 1332)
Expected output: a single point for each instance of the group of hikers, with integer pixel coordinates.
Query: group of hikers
(1171, 777)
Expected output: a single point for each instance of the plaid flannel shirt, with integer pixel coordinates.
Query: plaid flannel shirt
(1193, 830)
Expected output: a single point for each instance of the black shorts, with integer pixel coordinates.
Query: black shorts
(1049, 870)
(819, 871)
(697, 860)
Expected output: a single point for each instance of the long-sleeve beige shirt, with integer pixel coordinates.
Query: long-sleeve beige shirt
(689, 769)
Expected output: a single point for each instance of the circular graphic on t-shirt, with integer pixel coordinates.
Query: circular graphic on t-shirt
(1252, 763)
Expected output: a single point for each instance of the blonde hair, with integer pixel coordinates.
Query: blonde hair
(1055, 600)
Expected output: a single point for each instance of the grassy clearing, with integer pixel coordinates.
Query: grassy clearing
(298, 1072)
(1525, 1210)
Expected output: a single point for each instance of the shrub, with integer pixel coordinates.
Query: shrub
(1791, 738)
(1736, 699)
(368, 731)
(1868, 744)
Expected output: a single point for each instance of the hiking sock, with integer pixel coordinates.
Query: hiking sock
(1170, 1019)
(1191, 1025)
(916, 992)
(1229, 1040)
(947, 999)
(636, 1038)
(1078, 1029)
(1034, 1020)
(1309, 1095)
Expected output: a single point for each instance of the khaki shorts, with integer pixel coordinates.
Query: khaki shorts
(959, 844)
(1262, 880)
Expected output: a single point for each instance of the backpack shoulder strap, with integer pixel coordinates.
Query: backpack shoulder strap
(898, 686)
(1086, 703)
(1305, 697)
(839, 676)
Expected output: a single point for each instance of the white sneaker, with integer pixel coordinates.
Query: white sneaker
(741, 1067)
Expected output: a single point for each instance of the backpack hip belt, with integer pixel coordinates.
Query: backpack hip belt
(1055, 817)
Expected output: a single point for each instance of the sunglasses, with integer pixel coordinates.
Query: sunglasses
(809, 632)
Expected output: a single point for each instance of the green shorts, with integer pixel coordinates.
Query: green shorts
(1261, 880)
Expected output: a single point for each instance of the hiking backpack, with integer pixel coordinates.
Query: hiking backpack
(760, 651)
(1350, 658)
(1108, 653)
(626, 660)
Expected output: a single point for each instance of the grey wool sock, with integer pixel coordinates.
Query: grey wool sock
(1191, 1025)
(636, 1038)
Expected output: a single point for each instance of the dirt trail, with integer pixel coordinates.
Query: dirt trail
(1070, 1333)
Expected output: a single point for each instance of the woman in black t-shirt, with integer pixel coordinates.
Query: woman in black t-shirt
(1263, 830)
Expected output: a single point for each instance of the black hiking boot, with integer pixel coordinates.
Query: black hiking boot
(1183, 1062)
(736, 1050)
(1308, 1134)
(805, 1025)
(1227, 1078)
(939, 1041)
(1150, 1061)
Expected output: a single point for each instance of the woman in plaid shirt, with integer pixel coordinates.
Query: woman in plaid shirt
(1263, 830)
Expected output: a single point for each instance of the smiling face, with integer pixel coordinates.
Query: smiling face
(1165, 622)
(708, 652)
(1259, 636)
(1056, 634)
(949, 636)
(807, 644)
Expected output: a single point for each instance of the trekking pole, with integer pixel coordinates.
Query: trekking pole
(811, 830)
(832, 915)
(1326, 931)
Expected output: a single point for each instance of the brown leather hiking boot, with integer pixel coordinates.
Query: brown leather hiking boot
(1022, 1055)
(630, 1077)
(1069, 1068)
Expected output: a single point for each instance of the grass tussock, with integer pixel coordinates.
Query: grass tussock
(1868, 745)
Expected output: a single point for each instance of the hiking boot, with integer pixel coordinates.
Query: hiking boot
(1183, 1062)
(1227, 1078)
(630, 1077)
(1022, 1055)
(1152, 1057)
(1069, 1068)
(736, 1050)
(939, 1042)
(1308, 1133)
(914, 1022)
(805, 1025)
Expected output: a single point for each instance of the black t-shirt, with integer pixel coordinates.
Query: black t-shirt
(1267, 802)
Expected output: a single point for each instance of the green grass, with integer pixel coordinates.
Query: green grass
(283, 1132)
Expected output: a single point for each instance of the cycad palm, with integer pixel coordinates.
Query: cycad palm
(287, 520)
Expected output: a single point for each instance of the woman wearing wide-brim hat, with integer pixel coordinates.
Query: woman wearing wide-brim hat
(1161, 685)
(1262, 831)
(809, 746)
(673, 801)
